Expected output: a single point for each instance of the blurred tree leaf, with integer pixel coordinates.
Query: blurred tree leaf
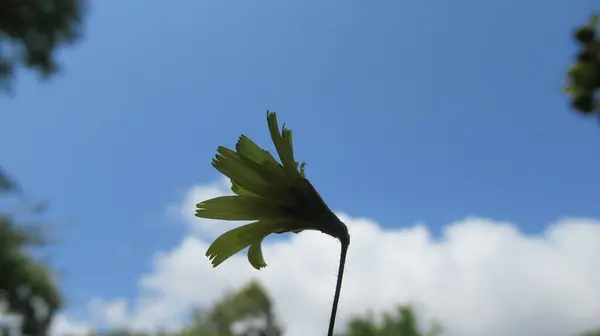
(7, 184)
(30, 34)
(250, 303)
(27, 285)
(402, 323)
(584, 74)
(32, 31)
(125, 332)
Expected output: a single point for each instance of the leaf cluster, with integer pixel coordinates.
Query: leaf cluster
(27, 285)
(584, 73)
(402, 322)
(32, 31)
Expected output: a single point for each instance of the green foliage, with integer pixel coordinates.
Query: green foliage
(250, 303)
(584, 74)
(6, 183)
(31, 32)
(26, 284)
(402, 323)
(127, 333)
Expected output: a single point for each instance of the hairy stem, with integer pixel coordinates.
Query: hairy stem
(338, 286)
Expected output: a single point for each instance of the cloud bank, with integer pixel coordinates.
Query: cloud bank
(483, 277)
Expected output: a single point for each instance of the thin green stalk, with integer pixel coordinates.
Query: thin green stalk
(338, 286)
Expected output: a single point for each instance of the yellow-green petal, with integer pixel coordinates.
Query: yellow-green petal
(233, 241)
(265, 179)
(255, 255)
(237, 189)
(246, 147)
(283, 145)
(240, 208)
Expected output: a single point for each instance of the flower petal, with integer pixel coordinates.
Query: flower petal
(265, 179)
(255, 255)
(246, 147)
(283, 144)
(240, 208)
(233, 241)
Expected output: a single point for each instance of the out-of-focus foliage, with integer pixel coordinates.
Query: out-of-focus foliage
(32, 31)
(248, 312)
(253, 303)
(27, 286)
(6, 183)
(402, 323)
(250, 308)
(584, 73)
(134, 333)
(124, 333)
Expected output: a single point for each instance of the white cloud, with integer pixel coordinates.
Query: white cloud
(483, 277)
(62, 326)
(113, 312)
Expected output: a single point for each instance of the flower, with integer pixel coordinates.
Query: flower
(278, 197)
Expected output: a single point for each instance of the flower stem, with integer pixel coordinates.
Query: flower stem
(338, 286)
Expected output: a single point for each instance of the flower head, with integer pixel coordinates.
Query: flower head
(276, 196)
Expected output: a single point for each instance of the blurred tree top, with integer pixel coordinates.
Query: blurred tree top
(249, 309)
(402, 323)
(250, 304)
(27, 286)
(584, 73)
(31, 31)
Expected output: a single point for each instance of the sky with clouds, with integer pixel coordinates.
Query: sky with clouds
(438, 131)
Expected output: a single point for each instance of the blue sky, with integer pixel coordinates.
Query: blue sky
(405, 112)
